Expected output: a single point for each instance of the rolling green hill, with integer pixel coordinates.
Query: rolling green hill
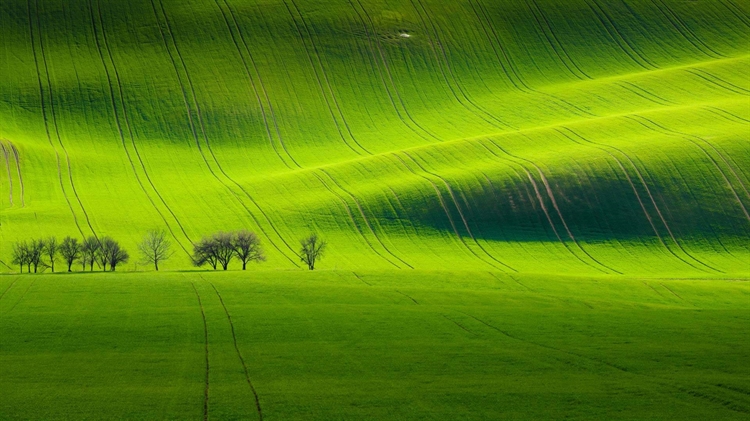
(535, 209)
(538, 135)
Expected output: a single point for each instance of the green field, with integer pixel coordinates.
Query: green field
(535, 209)
(373, 345)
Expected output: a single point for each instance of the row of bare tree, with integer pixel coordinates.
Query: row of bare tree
(217, 250)
(44, 253)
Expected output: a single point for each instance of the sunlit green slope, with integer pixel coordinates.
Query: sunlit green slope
(530, 136)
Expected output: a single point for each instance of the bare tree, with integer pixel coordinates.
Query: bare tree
(155, 248)
(36, 250)
(21, 255)
(113, 254)
(204, 252)
(247, 247)
(51, 248)
(102, 253)
(312, 249)
(70, 250)
(224, 248)
(89, 251)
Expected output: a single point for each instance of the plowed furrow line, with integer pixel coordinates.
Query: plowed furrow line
(55, 124)
(460, 212)
(524, 87)
(7, 167)
(252, 80)
(645, 94)
(635, 191)
(683, 179)
(446, 211)
(662, 382)
(208, 365)
(373, 58)
(459, 325)
(17, 158)
(9, 286)
(480, 111)
(660, 213)
(387, 68)
(622, 42)
(360, 278)
(353, 220)
(26, 291)
(239, 355)
(686, 32)
(407, 296)
(694, 140)
(121, 131)
(233, 15)
(551, 195)
(44, 110)
(729, 4)
(519, 85)
(542, 204)
(325, 77)
(715, 80)
(537, 12)
(510, 72)
(727, 115)
(201, 125)
(502, 266)
(364, 217)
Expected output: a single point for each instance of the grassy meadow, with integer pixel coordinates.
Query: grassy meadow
(373, 345)
(535, 209)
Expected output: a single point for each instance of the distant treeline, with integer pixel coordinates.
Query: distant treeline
(217, 250)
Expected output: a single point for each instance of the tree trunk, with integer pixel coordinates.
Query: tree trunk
(244, 264)
(69, 265)
(156, 265)
(53, 266)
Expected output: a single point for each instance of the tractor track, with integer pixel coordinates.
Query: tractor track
(427, 23)
(44, 110)
(7, 167)
(325, 76)
(208, 366)
(239, 354)
(550, 194)
(121, 131)
(603, 148)
(374, 62)
(17, 158)
(694, 140)
(367, 222)
(54, 120)
(252, 82)
(685, 31)
(537, 12)
(521, 84)
(450, 218)
(354, 221)
(728, 404)
(617, 36)
(201, 125)
(458, 208)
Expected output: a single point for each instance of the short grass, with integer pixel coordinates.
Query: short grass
(373, 345)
